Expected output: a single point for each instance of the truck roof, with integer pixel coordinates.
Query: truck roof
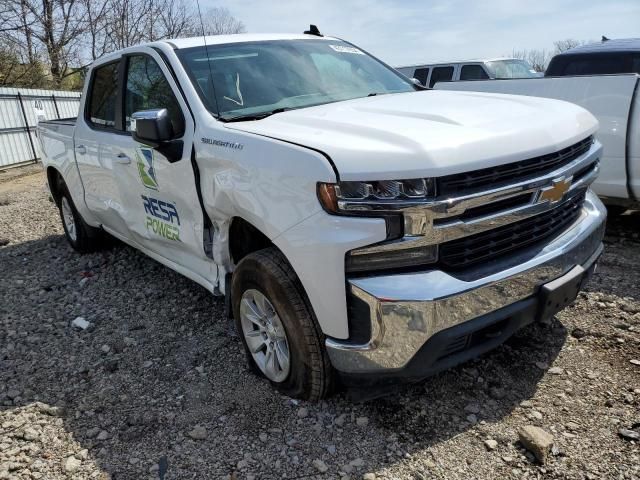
(180, 43)
(238, 38)
(614, 45)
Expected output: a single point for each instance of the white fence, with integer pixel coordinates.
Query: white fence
(20, 110)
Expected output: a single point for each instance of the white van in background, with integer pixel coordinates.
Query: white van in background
(491, 69)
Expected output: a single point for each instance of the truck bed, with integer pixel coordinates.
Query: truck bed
(56, 141)
(613, 99)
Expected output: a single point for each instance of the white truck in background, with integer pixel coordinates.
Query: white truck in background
(603, 78)
(361, 228)
(428, 74)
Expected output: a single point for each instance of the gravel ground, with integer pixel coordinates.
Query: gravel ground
(157, 386)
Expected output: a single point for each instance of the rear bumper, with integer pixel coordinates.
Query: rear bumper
(417, 318)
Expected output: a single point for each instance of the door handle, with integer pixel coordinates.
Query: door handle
(123, 158)
(81, 149)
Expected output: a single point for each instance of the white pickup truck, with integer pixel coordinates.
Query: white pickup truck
(615, 101)
(363, 230)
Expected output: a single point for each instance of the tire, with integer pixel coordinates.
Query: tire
(82, 237)
(267, 273)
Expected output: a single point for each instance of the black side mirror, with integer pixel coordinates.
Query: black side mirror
(154, 128)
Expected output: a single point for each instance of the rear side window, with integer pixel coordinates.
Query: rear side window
(147, 88)
(441, 74)
(421, 74)
(594, 64)
(103, 96)
(473, 72)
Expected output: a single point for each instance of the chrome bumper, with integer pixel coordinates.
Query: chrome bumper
(408, 309)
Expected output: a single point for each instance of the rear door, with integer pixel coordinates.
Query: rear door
(95, 136)
(164, 213)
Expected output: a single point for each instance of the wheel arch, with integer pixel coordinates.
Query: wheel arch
(56, 182)
(244, 239)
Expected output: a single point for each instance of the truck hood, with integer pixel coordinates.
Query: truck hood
(428, 133)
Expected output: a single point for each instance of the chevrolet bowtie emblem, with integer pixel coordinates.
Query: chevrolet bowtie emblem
(556, 192)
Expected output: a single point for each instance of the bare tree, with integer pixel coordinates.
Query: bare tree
(538, 59)
(16, 71)
(64, 36)
(96, 41)
(566, 44)
(57, 25)
(8, 16)
(175, 19)
(131, 22)
(127, 22)
(219, 21)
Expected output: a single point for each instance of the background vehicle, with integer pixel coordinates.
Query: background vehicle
(615, 101)
(355, 222)
(497, 68)
(608, 57)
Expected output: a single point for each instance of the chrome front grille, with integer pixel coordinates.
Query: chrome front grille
(493, 244)
(512, 172)
(473, 226)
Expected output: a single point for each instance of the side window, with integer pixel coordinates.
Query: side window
(103, 96)
(147, 88)
(421, 74)
(473, 72)
(441, 74)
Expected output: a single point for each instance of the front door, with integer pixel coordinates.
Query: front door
(164, 213)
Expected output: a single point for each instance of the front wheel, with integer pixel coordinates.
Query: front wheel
(278, 328)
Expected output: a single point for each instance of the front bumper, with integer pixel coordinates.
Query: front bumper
(408, 311)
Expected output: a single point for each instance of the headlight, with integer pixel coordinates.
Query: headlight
(385, 199)
(382, 195)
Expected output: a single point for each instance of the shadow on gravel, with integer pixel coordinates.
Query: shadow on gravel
(160, 358)
(625, 226)
(619, 265)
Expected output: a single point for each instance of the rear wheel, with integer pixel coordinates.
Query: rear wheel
(81, 236)
(279, 331)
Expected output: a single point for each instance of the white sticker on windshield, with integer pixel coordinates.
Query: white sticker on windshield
(345, 49)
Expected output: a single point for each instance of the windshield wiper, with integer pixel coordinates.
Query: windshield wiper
(255, 116)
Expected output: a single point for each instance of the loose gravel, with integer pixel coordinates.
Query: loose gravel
(156, 386)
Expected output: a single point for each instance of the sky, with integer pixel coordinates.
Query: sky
(403, 32)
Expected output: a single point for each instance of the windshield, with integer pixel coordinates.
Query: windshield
(512, 69)
(253, 78)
